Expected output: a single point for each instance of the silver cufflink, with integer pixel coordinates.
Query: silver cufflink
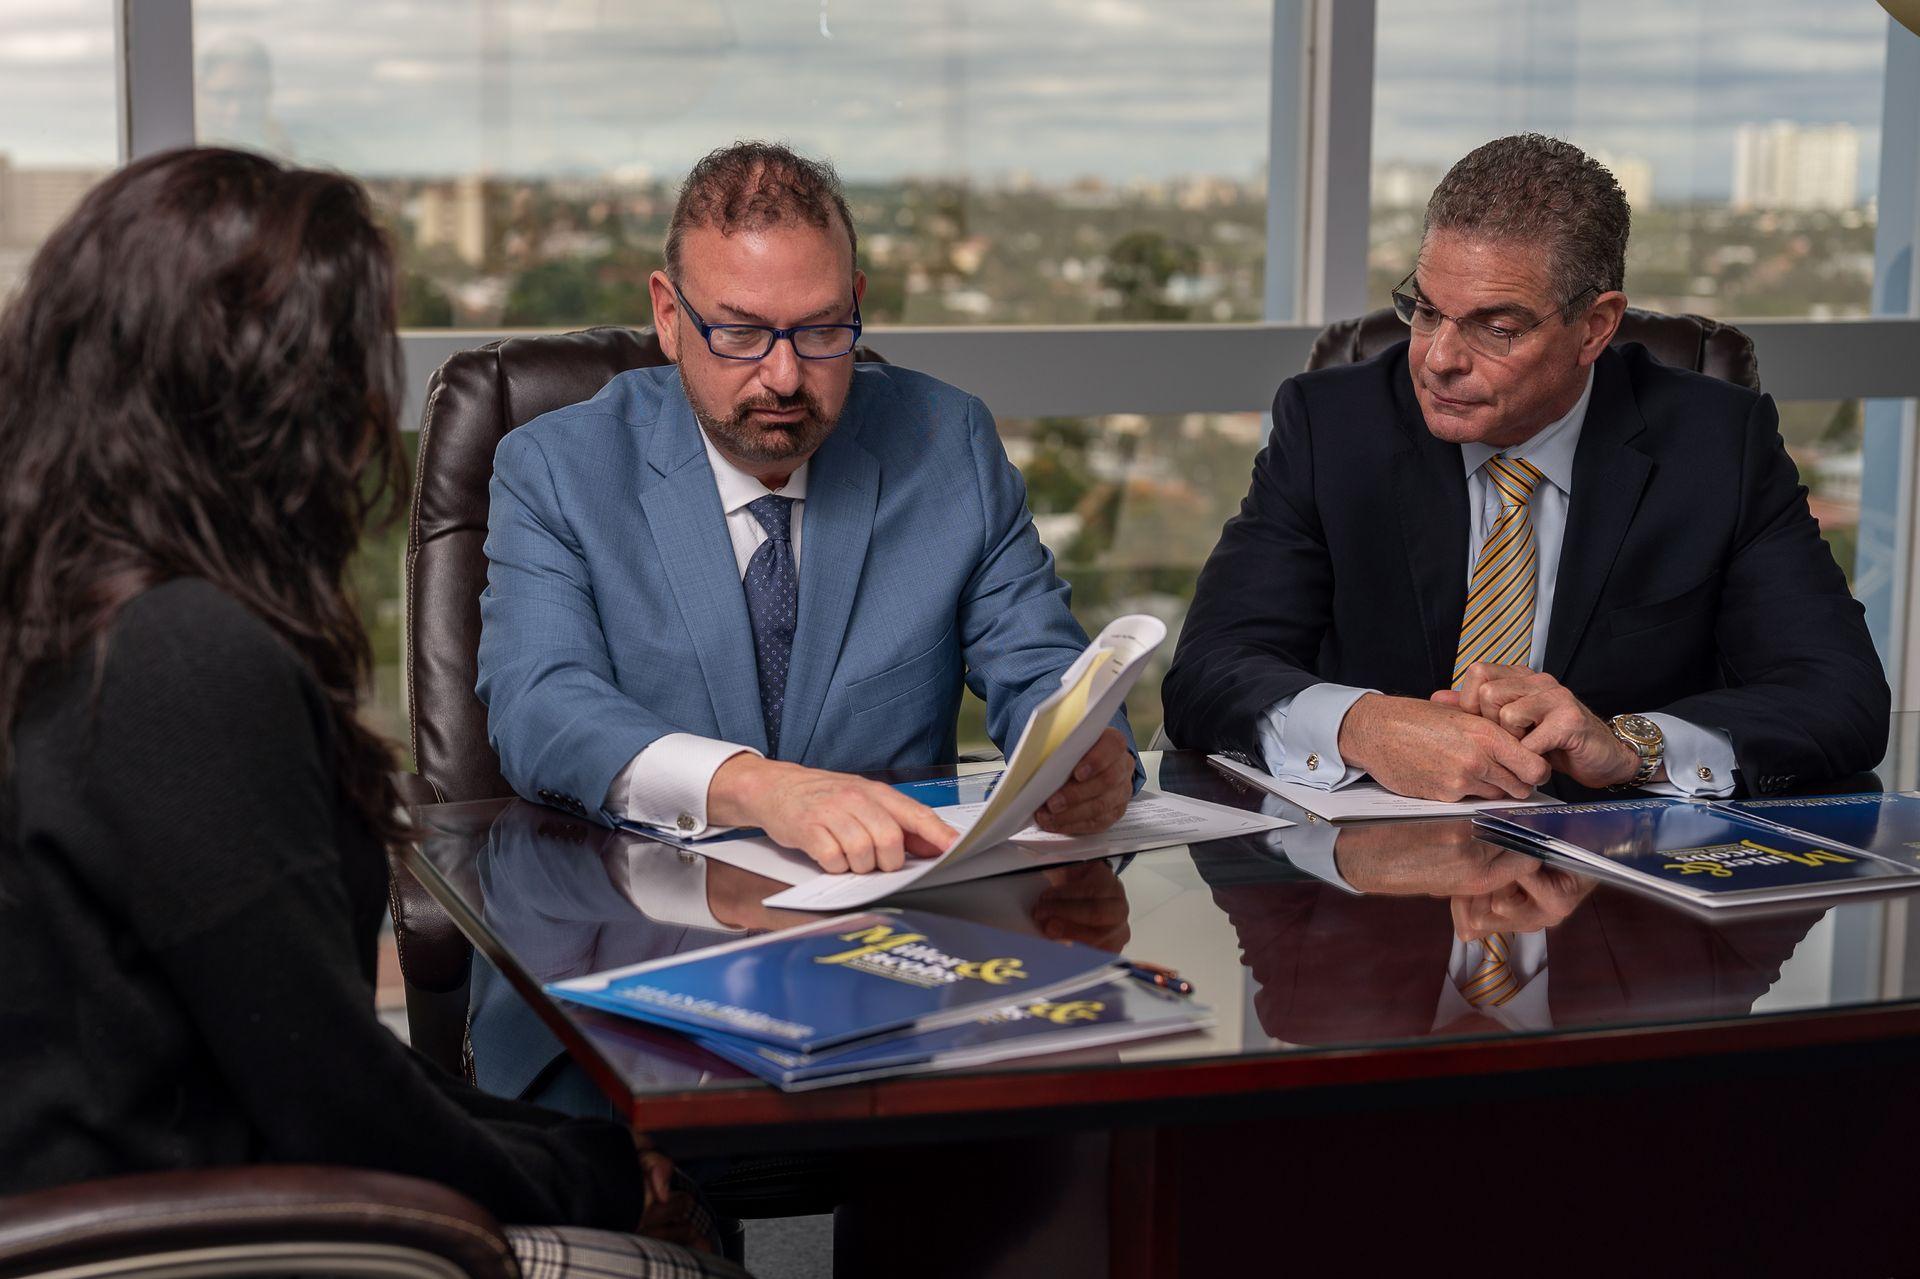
(1313, 762)
(1706, 774)
(685, 821)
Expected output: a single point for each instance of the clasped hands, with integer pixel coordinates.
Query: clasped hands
(1488, 889)
(847, 823)
(1504, 731)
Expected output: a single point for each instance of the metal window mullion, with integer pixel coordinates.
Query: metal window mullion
(1340, 62)
(153, 52)
(1890, 428)
(1289, 111)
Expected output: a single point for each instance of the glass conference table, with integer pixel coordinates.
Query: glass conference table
(1661, 1043)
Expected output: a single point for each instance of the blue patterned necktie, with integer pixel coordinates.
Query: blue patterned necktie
(773, 602)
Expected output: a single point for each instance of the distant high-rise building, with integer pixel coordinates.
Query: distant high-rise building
(455, 214)
(1633, 173)
(1399, 185)
(35, 201)
(1791, 166)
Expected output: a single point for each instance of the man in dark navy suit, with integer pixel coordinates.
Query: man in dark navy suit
(1505, 549)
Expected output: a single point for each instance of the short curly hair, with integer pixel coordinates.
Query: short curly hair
(750, 186)
(1541, 190)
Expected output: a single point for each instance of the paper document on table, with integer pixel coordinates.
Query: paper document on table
(1364, 801)
(1152, 820)
(1058, 734)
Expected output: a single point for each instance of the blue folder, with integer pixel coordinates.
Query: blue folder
(832, 981)
(1111, 1012)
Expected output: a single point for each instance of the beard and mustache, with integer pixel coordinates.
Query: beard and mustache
(740, 437)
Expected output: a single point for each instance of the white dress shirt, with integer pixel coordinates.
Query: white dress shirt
(666, 784)
(1300, 735)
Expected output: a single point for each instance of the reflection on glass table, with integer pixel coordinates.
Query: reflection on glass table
(1302, 940)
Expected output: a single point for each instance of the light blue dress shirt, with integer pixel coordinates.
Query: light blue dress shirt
(1305, 729)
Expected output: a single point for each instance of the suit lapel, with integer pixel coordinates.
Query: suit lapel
(843, 490)
(1608, 478)
(682, 507)
(1430, 495)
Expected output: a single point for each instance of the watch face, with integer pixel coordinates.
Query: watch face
(1638, 728)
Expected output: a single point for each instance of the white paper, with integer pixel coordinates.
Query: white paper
(1152, 820)
(1367, 801)
(1057, 736)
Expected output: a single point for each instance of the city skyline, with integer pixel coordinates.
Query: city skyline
(1051, 89)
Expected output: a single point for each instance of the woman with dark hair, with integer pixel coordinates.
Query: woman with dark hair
(199, 383)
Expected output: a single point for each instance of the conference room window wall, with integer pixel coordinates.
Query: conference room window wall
(1008, 161)
(57, 113)
(1120, 223)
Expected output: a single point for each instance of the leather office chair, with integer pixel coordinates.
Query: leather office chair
(1683, 341)
(473, 400)
(281, 1219)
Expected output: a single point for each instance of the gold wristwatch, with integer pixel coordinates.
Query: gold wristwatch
(1648, 742)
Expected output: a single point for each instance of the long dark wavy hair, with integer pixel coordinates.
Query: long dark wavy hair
(200, 378)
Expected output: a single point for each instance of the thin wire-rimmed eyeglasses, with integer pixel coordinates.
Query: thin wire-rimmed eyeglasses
(755, 341)
(1495, 340)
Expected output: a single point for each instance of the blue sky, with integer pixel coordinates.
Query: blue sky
(1055, 88)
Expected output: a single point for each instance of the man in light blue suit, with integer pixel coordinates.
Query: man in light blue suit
(716, 588)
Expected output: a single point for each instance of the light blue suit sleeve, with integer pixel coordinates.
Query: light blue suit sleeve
(554, 714)
(1300, 736)
(1017, 631)
(1691, 749)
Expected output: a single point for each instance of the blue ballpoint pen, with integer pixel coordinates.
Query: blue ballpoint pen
(1154, 975)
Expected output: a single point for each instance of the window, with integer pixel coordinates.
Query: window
(1745, 133)
(1008, 161)
(1130, 505)
(57, 119)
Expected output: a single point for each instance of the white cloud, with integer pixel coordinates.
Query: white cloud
(1057, 88)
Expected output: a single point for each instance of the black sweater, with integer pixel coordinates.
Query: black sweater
(188, 920)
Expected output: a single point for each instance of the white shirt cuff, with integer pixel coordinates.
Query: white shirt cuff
(1300, 736)
(666, 784)
(1311, 847)
(1699, 760)
(670, 887)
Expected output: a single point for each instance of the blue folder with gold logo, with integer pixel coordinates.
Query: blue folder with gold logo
(846, 978)
(1111, 1012)
(1886, 824)
(1709, 854)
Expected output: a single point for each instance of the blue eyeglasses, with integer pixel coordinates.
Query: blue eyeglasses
(755, 341)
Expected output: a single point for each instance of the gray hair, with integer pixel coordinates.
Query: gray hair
(1540, 190)
(751, 186)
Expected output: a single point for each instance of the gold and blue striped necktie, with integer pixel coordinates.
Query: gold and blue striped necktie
(1494, 982)
(1498, 623)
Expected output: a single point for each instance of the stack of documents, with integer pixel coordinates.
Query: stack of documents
(1717, 854)
(996, 834)
(888, 992)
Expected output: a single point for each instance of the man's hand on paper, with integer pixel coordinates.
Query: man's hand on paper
(1096, 792)
(843, 823)
(1430, 750)
(1544, 716)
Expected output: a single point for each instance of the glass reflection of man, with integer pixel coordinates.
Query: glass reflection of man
(233, 103)
(1411, 930)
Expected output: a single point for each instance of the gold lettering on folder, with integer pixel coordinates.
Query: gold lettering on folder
(1814, 858)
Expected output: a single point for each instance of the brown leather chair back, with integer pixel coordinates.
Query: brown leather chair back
(1683, 341)
(473, 400)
